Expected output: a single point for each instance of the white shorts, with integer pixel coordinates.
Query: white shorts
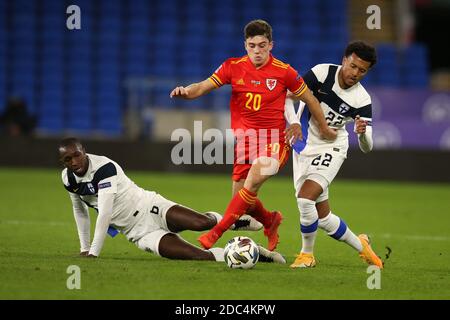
(152, 224)
(321, 168)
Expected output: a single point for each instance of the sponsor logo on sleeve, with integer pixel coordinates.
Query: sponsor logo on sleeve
(104, 185)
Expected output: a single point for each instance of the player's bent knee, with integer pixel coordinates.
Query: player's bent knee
(267, 166)
(308, 212)
(320, 180)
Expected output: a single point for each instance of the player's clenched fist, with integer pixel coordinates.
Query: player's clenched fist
(179, 92)
(360, 125)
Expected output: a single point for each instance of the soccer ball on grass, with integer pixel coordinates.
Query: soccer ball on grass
(241, 253)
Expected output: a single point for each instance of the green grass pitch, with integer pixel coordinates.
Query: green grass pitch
(38, 242)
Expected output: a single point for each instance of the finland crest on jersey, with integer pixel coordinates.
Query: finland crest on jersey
(91, 187)
(343, 108)
(340, 107)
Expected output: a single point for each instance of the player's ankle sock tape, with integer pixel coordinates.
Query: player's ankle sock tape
(308, 215)
(331, 224)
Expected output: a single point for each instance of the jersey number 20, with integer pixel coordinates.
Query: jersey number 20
(253, 101)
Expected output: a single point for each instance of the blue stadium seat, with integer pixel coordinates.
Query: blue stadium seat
(51, 97)
(51, 84)
(137, 41)
(81, 123)
(196, 28)
(24, 76)
(108, 72)
(387, 71)
(2, 91)
(165, 55)
(52, 51)
(110, 127)
(23, 23)
(166, 25)
(138, 10)
(160, 98)
(221, 10)
(414, 66)
(111, 6)
(335, 5)
(415, 53)
(196, 10)
(139, 66)
(250, 10)
(192, 70)
(137, 25)
(51, 6)
(329, 53)
(78, 68)
(81, 54)
(110, 24)
(79, 83)
(51, 123)
(416, 80)
(308, 31)
(163, 69)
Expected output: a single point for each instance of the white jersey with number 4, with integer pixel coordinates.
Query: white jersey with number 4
(340, 106)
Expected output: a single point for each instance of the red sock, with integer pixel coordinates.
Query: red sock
(239, 205)
(261, 214)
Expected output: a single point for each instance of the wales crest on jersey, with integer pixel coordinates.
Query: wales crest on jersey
(271, 84)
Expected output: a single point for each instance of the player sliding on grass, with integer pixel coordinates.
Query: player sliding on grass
(144, 217)
(316, 162)
(259, 85)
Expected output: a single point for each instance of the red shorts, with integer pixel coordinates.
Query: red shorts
(244, 158)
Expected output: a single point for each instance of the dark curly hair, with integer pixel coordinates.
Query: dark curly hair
(363, 50)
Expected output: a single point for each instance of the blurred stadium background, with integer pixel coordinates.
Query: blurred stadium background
(110, 81)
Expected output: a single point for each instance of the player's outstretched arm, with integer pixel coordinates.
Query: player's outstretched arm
(81, 215)
(105, 209)
(193, 90)
(314, 107)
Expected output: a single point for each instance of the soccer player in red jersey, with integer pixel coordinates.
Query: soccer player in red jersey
(259, 87)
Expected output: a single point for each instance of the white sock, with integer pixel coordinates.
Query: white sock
(308, 223)
(218, 253)
(216, 215)
(337, 229)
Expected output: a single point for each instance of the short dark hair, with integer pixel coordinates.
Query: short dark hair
(258, 28)
(363, 50)
(71, 141)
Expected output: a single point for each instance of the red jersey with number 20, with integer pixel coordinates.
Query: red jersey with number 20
(258, 95)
